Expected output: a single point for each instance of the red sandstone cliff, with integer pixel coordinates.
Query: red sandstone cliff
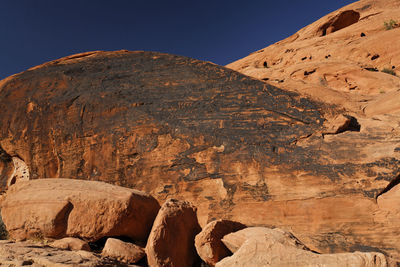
(321, 162)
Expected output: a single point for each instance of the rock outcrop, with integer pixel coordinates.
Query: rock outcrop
(274, 247)
(171, 241)
(234, 146)
(36, 254)
(57, 208)
(208, 242)
(348, 57)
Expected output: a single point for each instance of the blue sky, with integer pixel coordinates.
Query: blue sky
(35, 31)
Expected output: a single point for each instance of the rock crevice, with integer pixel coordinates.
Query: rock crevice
(389, 187)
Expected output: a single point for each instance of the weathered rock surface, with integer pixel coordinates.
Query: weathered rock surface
(338, 59)
(70, 243)
(235, 147)
(345, 58)
(90, 210)
(208, 242)
(122, 251)
(171, 241)
(38, 255)
(258, 246)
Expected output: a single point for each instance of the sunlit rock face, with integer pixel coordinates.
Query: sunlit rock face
(347, 58)
(234, 146)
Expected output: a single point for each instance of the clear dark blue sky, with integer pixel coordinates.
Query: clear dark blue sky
(221, 31)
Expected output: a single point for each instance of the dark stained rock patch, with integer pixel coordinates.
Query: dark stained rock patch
(234, 146)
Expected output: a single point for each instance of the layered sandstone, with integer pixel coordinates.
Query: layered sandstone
(347, 57)
(234, 146)
(259, 246)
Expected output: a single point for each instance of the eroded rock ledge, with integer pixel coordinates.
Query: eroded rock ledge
(175, 239)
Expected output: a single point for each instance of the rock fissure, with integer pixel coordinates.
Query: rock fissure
(71, 102)
(390, 186)
(306, 73)
(288, 116)
(4, 156)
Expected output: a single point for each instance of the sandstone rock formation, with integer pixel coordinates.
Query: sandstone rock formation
(123, 251)
(36, 254)
(235, 240)
(20, 173)
(71, 243)
(90, 210)
(338, 59)
(208, 242)
(346, 58)
(171, 241)
(259, 246)
(234, 146)
(169, 126)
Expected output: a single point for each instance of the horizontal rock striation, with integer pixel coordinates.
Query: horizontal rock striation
(234, 146)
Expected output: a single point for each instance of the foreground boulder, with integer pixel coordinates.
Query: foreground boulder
(71, 243)
(90, 210)
(208, 242)
(122, 251)
(259, 246)
(171, 241)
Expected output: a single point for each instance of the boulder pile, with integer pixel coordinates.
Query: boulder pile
(74, 216)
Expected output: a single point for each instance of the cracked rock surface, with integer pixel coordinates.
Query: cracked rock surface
(39, 255)
(234, 146)
(90, 210)
(346, 58)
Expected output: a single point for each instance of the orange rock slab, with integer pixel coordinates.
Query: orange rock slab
(234, 146)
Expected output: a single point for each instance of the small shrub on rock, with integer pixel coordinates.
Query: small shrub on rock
(323, 81)
(391, 24)
(389, 71)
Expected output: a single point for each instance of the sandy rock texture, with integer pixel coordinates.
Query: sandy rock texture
(234, 146)
(71, 243)
(38, 255)
(90, 210)
(348, 58)
(257, 246)
(122, 251)
(171, 241)
(344, 58)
